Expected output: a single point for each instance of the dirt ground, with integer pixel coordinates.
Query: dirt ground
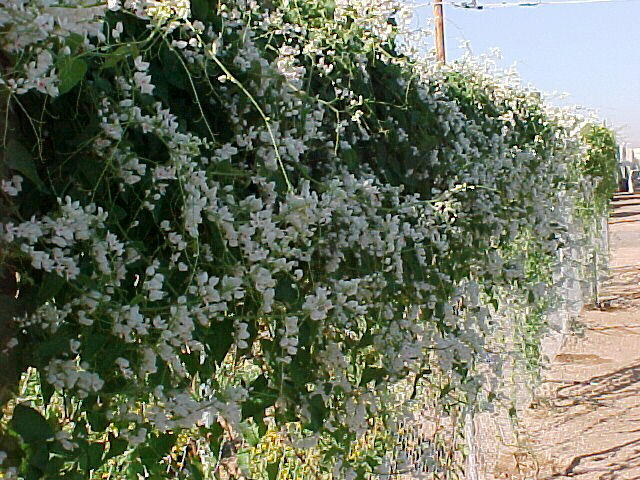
(585, 423)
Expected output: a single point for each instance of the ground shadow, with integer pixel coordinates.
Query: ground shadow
(623, 196)
(608, 463)
(624, 214)
(620, 204)
(620, 289)
(571, 399)
(625, 382)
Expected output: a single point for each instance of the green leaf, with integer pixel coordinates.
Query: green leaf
(96, 343)
(366, 339)
(195, 469)
(71, 70)
(87, 171)
(350, 158)
(117, 446)
(251, 434)
(173, 71)
(30, 424)
(372, 373)
(91, 457)
(119, 54)
(74, 41)
(18, 158)
(97, 420)
(72, 475)
(373, 461)
(215, 435)
(105, 86)
(40, 457)
(494, 302)
(200, 9)
(9, 308)
(50, 285)
(445, 390)
(119, 212)
(299, 372)
(244, 460)
(52, 347)
(219, 338)
(272, 470)
(54, 465)
(33, 473)
(156, 448)
(318, 412)
(45, 387)
(261, 398)
(135, 470)
(286, 292)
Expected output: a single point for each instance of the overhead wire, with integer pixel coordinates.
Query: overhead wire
(535, 4)
(474, 5)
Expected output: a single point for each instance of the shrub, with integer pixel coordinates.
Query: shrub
(599, 163)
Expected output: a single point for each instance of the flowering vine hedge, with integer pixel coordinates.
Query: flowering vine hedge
(237, 222)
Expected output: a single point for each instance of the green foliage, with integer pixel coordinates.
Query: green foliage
(71, 71)
(30, 425)
(20, 160)
(600, 163)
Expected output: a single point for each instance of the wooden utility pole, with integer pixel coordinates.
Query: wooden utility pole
(439, 30)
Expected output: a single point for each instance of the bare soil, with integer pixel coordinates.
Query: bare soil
(585, 422)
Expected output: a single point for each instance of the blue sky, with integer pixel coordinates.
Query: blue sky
(591, 51)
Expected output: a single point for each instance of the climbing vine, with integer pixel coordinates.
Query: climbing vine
(241, 238)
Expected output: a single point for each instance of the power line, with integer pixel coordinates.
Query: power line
(474, 5)
(535, 4)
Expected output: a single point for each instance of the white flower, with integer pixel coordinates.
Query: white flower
(226, 152)
(65, 440)
(74, 345)
(83, 319)
(289, 340)
(154, 287)
(12, 187)
(123, 364)
(143, 82)
(148, 362)
(318, 305)
(140, 65)
(117, 31)
(241, 334)
(137, 438)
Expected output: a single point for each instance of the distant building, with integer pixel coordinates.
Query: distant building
(629, 166)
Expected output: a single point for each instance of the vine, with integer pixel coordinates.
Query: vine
(254, 239)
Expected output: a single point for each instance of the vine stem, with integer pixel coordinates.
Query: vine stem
(262, 114)
(193, 88)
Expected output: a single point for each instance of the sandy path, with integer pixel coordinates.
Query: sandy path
(585, 425)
